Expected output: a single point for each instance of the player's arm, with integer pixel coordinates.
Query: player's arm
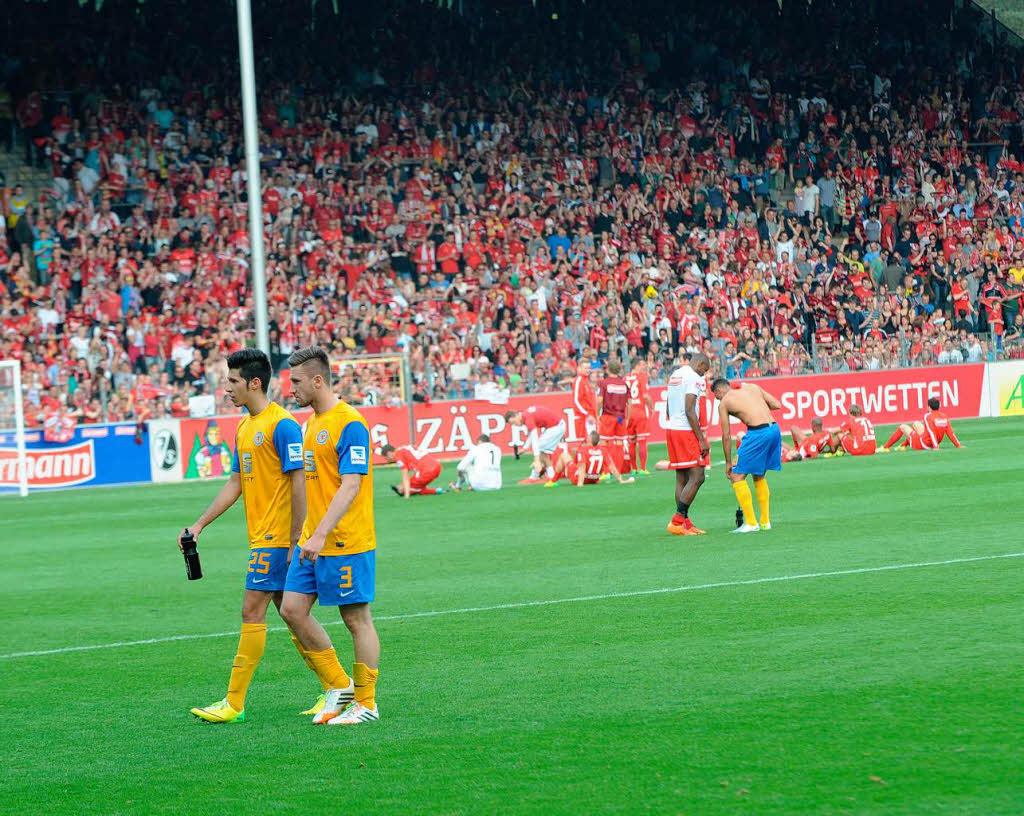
(723, 422)
(694, 420)
(225, 497)
(353, 464)
(581, 473)
(952, 435)
(288, 444)
(406, 482)
(770, 399)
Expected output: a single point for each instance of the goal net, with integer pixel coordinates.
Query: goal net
(13, 458)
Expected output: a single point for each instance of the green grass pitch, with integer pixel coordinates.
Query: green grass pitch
(553, 680)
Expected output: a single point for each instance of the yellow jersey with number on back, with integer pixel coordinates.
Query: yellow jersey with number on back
(337, 442)
(268, 447)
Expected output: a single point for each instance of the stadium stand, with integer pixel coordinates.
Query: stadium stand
(512, 206)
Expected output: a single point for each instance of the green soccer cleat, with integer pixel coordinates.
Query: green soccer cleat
(219, 712)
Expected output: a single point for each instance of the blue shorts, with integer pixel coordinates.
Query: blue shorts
(268, 568)
(337, 579)
(761, 451)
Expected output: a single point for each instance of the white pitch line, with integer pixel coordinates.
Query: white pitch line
(550, 602)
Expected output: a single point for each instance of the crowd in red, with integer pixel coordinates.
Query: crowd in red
(730, 183)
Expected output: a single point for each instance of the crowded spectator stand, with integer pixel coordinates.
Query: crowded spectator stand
(698, 189)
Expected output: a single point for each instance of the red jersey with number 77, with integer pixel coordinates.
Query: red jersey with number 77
(593, 461)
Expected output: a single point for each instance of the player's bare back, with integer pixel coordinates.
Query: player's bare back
(750, 404)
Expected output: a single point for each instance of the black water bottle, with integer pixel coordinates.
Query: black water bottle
(193, 569)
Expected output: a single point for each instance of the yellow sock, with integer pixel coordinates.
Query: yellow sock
(366, 684)
(305, 656)
(251, 644)
(742, 491)
(763, 493)
(328, 669)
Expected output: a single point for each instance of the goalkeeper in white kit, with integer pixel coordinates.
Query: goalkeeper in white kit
(480, 469)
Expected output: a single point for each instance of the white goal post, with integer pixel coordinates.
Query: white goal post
(375, 379)
(13, 457)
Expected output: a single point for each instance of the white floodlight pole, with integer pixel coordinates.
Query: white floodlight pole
(252, 168)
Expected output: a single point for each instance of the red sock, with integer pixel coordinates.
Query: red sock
(894, 438)
(642, 445)
(630, 454)
(428, 491)
(678, 519)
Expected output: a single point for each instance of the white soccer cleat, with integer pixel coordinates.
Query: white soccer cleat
(355, 714)
(766, 526)
(747, 528)
(335, 701)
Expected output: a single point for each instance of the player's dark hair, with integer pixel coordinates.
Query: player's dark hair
(509, 415)
(856, 410)
(595, 438)
(613, 367)
(386, 449)
(721, 382)
(313, 354)
(934, 403)
(251, 364)
(482, 438)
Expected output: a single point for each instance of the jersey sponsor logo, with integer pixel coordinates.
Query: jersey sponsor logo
(246, 462)
(258, 438)
(357, 454)
(295, 453)
(50, 467)
(321, 438)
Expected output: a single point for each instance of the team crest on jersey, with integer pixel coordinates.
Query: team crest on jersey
(321, 438)
(258, 438)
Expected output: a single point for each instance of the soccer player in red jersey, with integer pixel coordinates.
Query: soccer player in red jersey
(808, 445)
(613, 408)
(641, 408)
(856, 436)
(417, 468)
(583, 401)
(927, 435)
(546, 430)
(588, 465)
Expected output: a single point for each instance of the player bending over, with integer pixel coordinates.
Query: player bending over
(417, 468)
(546, 430)
(688, 451)
(927, 435)
(856, 436)
(761, 450)
(266, 472)
(480, 468)
(808, 445)
(336, 557)
(589, 465)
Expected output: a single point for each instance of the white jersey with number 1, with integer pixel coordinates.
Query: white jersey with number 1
(482, 467)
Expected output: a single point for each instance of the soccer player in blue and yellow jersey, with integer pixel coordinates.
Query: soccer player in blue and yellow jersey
(267, 473)
(335, 560)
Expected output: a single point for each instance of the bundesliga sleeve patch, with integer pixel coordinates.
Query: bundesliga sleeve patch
(357, 455)
(295, 452)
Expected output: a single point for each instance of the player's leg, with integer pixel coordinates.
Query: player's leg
(352, 578)
(318, 704)
(686, 492)
(251, 644)
(750, 459)
(301, 591)
(641, 444)
(897, 435)
(798, 436)
(763, 501)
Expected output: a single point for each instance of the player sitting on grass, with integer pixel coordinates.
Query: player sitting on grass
(927, 435)
(856, 436)
(808, 444)
(480, 468)
(417, 468)
(591, 464)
